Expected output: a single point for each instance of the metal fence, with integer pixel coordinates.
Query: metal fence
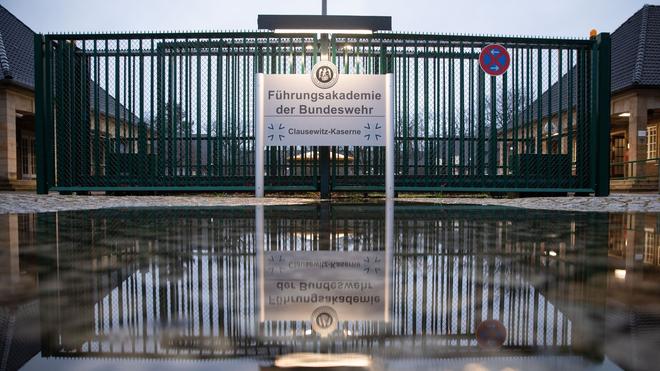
(174, 111)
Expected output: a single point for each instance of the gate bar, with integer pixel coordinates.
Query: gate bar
(602, 114)
(40, 116)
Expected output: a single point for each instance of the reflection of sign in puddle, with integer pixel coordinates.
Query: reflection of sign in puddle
(324, 320)
(324, 287)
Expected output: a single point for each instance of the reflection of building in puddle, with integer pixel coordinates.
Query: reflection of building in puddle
(17, 282)
(633, 238)
(19, 308)
(633, 276)
(185, 283)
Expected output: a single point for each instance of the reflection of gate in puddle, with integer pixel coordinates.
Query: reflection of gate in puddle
(185, 283)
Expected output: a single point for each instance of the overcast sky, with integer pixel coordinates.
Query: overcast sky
(503, 17)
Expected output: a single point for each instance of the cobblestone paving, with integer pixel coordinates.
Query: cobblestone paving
(16, 202)
(613, 203)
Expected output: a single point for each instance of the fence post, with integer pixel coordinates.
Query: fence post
(40, 115)
(603, 53)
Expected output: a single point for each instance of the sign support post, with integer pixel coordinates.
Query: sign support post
(389, 253)
(389, 137)
(259, 137)
(259, 241)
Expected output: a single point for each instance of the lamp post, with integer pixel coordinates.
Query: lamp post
(324, 151)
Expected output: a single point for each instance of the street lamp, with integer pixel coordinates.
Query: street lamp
(324, 24)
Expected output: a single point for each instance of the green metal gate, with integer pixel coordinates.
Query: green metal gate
(174, 111)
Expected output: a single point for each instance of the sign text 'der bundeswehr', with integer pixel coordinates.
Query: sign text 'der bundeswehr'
(351, 112)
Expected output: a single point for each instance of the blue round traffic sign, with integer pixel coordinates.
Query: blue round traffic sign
(494, 59)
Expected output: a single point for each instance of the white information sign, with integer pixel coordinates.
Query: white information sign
(324, 108)
(299, 113)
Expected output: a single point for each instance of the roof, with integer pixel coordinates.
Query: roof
(635, 61)
(124, 113)
(568, 79)
(635, 51)
(16, 50)
(17, 62)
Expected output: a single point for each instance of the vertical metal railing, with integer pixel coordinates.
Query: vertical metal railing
(140, 112)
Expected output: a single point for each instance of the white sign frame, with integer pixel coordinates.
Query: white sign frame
(260, 135)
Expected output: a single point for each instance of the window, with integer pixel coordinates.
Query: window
(652, 144)
(617, 155)
(574, 155)
(554, 127)
(28, 157)
(650, 248)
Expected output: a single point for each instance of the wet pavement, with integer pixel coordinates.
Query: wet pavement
(17, 202)
(345, 286)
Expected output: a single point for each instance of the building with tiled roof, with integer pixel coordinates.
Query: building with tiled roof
(635, 106)
(635, 52)
(17, 160)
(17, 133)
(636, 101)
(16, 51)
